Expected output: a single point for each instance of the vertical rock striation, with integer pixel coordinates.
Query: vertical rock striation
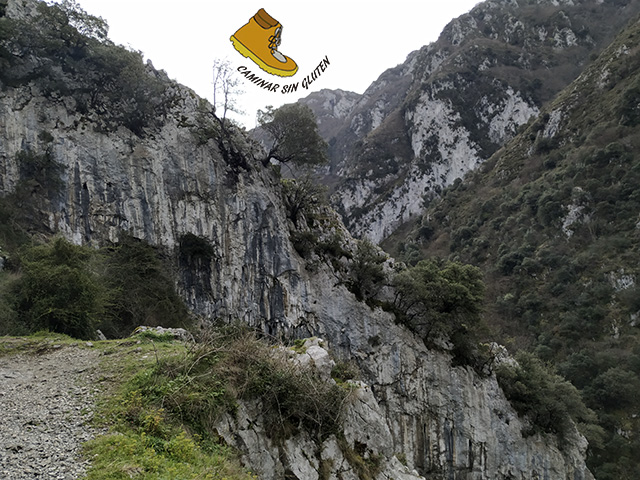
(447, 421)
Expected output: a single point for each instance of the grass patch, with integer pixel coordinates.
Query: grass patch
(146, 440)
(166, 398)
(138, 455)
(37, 343)
(155, 336)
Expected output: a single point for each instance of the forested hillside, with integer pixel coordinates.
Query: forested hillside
(125, 200)
(553, 221)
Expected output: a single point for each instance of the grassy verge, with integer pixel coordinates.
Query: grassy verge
(166, 398)
(161, 400)
(37, 343)
(146, 440)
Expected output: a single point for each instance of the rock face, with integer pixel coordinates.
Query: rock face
(167, 180)
(453, 103)
(441, 422)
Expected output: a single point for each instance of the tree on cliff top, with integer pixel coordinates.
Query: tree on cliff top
(294, 136)
(226, 89)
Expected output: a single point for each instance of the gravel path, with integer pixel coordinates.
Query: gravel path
(46, 402)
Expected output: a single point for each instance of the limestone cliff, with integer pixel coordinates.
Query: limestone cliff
(161, 177)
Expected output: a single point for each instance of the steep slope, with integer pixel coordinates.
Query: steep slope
(95, 145)
(453, 103)
(553, 221)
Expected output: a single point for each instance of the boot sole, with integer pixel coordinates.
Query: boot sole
(245, 52)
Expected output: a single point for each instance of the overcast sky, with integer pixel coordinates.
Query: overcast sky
(361, 39)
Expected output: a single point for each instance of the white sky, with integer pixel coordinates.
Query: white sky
(360, 38)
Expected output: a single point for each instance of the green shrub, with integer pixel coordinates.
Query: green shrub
(547, 400)
(59, 290)
(345, 370)
(74, 290)
(366, 273)
(293, 135)
(433, 299)
(410, 254)
(507, 263)
(12, 231)
(140, 288)
(580, 368)
(302, 198)
(549, 209)
(234, 364)
(461, 237)
(9, 323)
(628, 108)
(614, 389)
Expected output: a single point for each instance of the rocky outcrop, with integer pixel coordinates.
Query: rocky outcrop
(419, 415)
(185, 176)
(453, 103)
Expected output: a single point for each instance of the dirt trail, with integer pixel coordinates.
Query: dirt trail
(46, 403)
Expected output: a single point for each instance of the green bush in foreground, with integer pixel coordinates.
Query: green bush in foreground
(59, 290)
(237, 365)
(71, 289)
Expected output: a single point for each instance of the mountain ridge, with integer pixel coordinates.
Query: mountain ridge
(551, 218)
(454, 102)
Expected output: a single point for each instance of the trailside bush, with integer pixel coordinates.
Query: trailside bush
(234, 364)
(9, 323)
(75, 290)
(140, 290)
(59, 290)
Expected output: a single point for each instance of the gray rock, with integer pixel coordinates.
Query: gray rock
(177, 333)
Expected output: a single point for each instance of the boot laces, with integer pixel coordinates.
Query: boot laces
(275, 39)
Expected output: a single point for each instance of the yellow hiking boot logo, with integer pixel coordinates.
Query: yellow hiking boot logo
(259, 40)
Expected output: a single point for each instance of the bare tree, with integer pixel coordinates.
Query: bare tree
(226, 88)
